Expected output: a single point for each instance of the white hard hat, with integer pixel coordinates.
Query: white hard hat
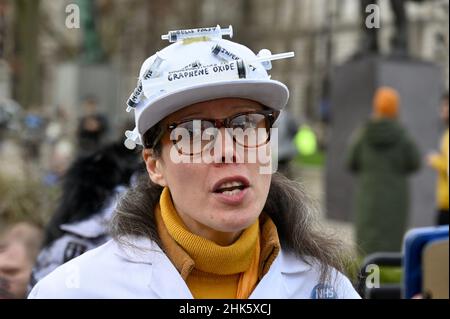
(197, 70)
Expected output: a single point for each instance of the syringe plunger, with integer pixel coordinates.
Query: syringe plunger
(213, 32)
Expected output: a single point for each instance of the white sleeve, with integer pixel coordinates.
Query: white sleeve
(34, 293)
(62, 283)
(46, 293)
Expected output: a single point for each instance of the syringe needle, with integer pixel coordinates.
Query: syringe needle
(274, 57)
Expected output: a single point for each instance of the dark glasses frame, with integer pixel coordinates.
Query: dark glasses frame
(269, 115)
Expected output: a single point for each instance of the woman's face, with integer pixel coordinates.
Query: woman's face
(219, 199)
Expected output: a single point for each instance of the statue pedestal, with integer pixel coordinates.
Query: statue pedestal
(352, 87)
(74, 81)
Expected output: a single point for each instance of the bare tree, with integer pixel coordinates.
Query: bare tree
(26, 87)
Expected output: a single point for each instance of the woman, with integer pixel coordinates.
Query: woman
(208, 220)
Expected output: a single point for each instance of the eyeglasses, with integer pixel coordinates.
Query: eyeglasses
(195, 136)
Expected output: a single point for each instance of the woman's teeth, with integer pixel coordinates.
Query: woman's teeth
(230, 188)
(230, 184)
(231, 193)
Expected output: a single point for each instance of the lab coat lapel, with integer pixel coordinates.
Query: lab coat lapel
(271, 285)
(281, 281)
(166, 282)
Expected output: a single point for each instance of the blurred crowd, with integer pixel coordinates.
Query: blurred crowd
(60, 205)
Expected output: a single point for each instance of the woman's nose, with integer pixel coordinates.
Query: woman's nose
(225, 151)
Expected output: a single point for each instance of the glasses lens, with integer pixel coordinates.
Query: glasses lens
(192, 136)
(250, 130)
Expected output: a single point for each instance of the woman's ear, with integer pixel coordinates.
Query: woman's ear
(154, 168)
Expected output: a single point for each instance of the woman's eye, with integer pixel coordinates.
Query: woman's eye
(244, 123)
(198, 127)
(194, 132)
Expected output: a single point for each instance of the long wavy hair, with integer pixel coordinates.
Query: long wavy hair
(293, 212)
(88, 184)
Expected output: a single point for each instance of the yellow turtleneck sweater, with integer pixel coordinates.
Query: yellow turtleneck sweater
(211, 270)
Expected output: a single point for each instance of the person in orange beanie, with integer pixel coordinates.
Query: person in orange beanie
(382, 157)
(386, 103)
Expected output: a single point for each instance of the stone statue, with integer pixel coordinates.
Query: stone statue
(399, 41)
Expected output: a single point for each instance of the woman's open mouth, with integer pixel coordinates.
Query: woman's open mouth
(231, 190)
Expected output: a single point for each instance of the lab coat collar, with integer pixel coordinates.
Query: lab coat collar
(291, 264)
(166, 282)
(142, 249)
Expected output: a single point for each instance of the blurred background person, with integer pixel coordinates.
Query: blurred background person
(59, 147)
(19, 246)
(439, 161)
(92, 127)
(9, 118)
(33, 134)
(91, 188)
(382, 156)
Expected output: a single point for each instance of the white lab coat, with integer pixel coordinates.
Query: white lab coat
(117, 271)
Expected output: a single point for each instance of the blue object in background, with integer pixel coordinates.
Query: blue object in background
(414, 244)
(33, 121)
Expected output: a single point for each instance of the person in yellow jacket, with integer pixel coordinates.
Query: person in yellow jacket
(439, 161)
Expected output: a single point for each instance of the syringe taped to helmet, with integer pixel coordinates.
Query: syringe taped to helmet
(210, 32)
(223, 53)
(151, 72)
(234, 70)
